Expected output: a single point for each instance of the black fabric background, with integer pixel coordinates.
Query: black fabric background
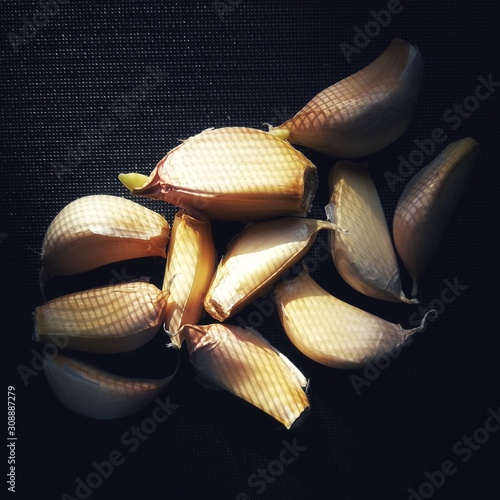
(256, 62)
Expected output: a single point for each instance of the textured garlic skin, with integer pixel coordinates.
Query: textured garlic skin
(96, 230)
(255, 260)
(330, 331)
(246, 365)
(364, 256)
(191, 263)
(234, 173)
(95, 393)
(108, 319)
(364, 112)
(427, 204)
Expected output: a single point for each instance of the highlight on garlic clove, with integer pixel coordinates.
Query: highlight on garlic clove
(191, 264)
(243, 363)
(364, 112)
(255, 260)
(96, 393)
(96, 230)
(427, 204)
(332, 332)
(108, 319)
(364, 257)
(232, 173)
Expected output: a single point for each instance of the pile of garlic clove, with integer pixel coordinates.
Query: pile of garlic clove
(238, 173)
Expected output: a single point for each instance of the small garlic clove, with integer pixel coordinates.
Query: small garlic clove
(366, 111)
(96, 230)
(330, 331)
(108, 319)
(95, 393)
(233, 173)
(245, 364)
(191, 263)
(427, 205)
(364, 257)
(255, 260)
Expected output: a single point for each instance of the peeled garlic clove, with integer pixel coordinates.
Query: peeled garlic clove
(364, 257)
(427, 205)
(245, 364)
(255, 260)
(191, 263)
(366, 111)
(108, 319)
(232, 173)
(330, 331)
(95, 393)
(100, 229)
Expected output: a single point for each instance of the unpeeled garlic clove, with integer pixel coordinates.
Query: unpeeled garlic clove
(255, 260)
(364, 257)
(95, 393)
(108, 319)
(366, 111)
(427, 205)
(96, 230)
(233, 173)
(191, 263)
(245, 364)
(330, 331)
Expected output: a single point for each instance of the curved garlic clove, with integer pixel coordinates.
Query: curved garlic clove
(330, 331)
(245, 364)
(366, 111)
(108, 319)
(427, 205)
(95, 393)
(96, 230)
(255, 260)
(233, 173)
(191, 263)
(364, 257)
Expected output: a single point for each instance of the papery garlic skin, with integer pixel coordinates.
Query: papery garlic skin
(108, 319)
(364, 256)
(364, 112)
(95, 393)
(427, 204)
(191, 263)
(255, 260)
(245, 364)
(96, 230)
(330, 331)
(234, 173)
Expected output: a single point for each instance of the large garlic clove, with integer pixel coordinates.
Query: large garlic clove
(255, 260)
(366, 111)
(95, 393)
(427, 205)
(232, 173)
(100, 229)
(191, 263)
(330, 331)
(108, 319)
(245, 364)
(364, 257)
